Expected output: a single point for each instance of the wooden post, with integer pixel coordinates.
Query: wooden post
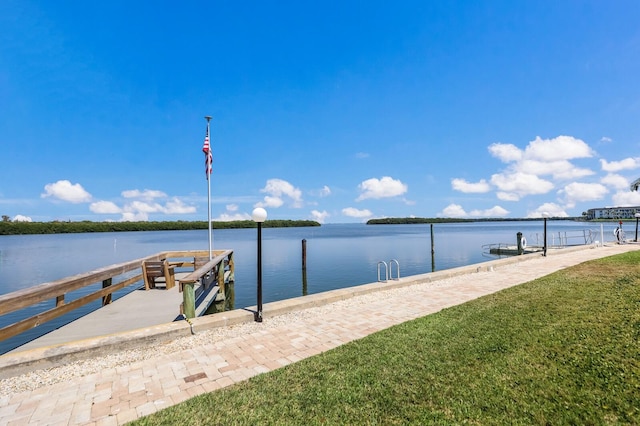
(220, 281)
(519, 238)
(305, 290)
(304, 267)
(229, 300)
(189, 299)
(304, 254)
(433, 251)
(106, 299)
(232, 268)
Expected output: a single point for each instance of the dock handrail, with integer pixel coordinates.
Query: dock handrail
(391, 262)
(197, 274)
(386, 271)
(59, 289)
(211, 272)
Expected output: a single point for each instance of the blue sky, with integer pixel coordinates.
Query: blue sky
(332, 111)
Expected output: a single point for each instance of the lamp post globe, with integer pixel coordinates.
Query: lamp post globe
(259, 215)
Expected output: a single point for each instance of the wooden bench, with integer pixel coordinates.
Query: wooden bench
(158, 272)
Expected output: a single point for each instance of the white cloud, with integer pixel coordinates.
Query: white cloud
(468, 187)
(21, 218)
(353, 212)
(134, 217)
(571, 172)
(226, 217)
(325, 191)
(104, 207)
(453, 210)
(505, 152)
(615, 181)
(552, 209)
(560, 169)
(507, 196)
(559, 148)
(276, 189)
(173, 206)
(381, 188)
(319, 216)
(139, 210)
(268, 201)
(495, 211)
(231, 214)
(540, 157)
(66, 191)
(513, 186)
(147, 194)
(606, 139)
(626, 198)
(177, 206)
(143, 207)
(616, 166)
(579, 192)
(527, 168)
(456, 211)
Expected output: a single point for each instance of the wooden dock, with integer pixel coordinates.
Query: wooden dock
(137, 309)
(202, 283)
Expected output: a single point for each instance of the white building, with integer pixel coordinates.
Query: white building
(613, 213)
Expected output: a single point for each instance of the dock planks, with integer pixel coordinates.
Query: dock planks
(138, 309)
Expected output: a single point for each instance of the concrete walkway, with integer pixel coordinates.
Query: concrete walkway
(121, 387)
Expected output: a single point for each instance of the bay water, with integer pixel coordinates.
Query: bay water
(338, 256)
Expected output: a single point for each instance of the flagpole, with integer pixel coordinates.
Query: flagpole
(208, 118)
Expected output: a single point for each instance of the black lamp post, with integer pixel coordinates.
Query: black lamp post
(259, 215)
(545, 215)
(637, 215)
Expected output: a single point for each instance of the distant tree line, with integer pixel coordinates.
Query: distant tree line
(56, 227)
(419, 220)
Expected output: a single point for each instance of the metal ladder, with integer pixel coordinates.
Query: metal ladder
(388, 270)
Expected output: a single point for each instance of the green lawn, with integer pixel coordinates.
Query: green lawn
(563, 349)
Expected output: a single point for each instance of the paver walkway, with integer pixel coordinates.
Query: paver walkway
(121, 393)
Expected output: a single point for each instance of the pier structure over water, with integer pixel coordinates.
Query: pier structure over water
(199, 281)
(537, 244)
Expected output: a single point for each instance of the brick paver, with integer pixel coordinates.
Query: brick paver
(119, 395)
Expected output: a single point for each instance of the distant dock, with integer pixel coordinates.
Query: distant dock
(512, 250)
(563, 239)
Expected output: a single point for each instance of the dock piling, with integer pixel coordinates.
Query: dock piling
(304, 254)
(189, 299)
(519, 239)
(433, 251)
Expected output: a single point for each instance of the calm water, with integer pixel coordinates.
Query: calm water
(338, 256)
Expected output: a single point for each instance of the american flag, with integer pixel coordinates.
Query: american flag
(208, 158)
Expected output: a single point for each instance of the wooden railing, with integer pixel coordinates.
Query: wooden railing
(216, 271)
(113, 278)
